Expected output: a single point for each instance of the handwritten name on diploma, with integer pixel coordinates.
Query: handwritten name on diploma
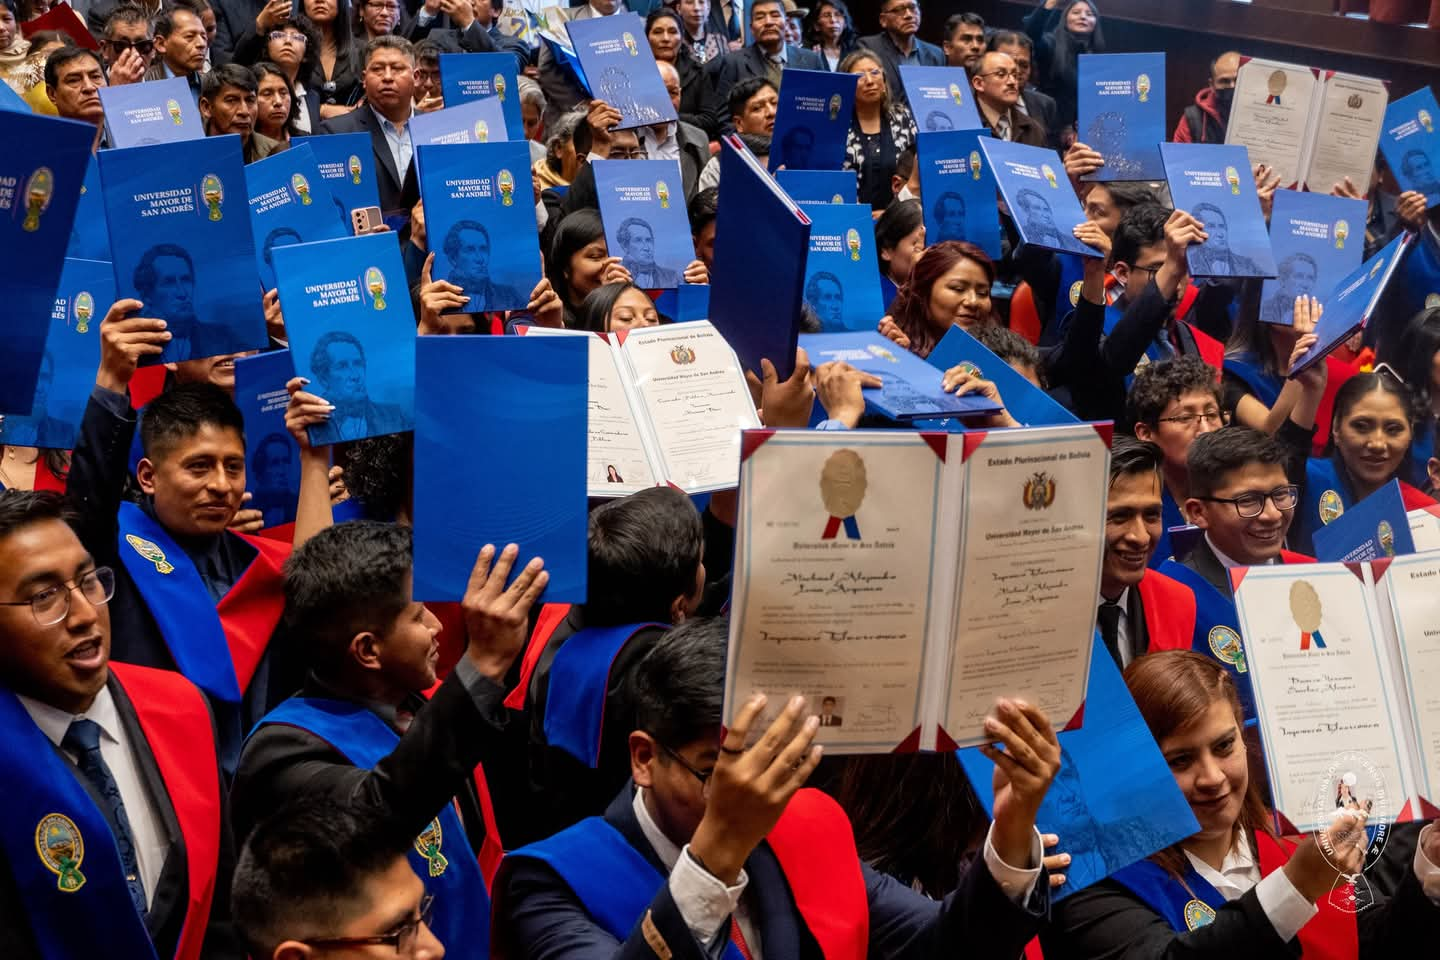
(831, 636)
(1031, 586)
(1327, 727)
(1325, 683)
(838, 581)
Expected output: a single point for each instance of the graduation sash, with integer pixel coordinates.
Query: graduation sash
(441, 855)
(1169, 612)
(813, 842)
(579, 680)
(551, 616)
(1170, 516)
(1216, 633)
(216, 648)
(59, 845)
(1265, 386)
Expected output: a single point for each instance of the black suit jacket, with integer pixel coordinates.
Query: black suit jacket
(1042, 109)
(926, 55)
(747, 62)
(166, 916)
(541, 919)
(399, 190)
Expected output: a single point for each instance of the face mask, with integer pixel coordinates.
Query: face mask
(1223, 100)
(905, 194)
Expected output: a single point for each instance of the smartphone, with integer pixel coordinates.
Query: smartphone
(365, 219)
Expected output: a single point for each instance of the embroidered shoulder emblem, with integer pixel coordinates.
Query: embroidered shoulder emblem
(1331, 506)
(150, 552)
(61, 849)
(1225, 644)
(428, 846)
(1198, 914)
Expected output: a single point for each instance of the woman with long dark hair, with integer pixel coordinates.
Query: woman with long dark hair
(1062, 30)
(830, 32)
(275, 107)
(617, 306)
(899, 241)
(337, 72)
(883, 127)
(949, 285)
(580, 262)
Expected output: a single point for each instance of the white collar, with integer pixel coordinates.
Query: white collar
(664, 847)
(1238, 871)
(54, 722)
(620, 8)
(1122, 601)
(1226, 561)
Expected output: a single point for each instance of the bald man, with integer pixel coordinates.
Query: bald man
(1204, 121)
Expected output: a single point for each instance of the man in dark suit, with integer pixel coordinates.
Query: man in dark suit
(766, 57)
(736, 837)
(562, 89)
(389, 79)
(996, 82)
(180, 45)
(361, 731)
(338, 362)
(121, 815)
(897, 44)
(1038, 106)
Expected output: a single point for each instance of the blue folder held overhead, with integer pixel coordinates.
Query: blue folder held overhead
(762, 239)
(1314, 239)
(911, 388)
(1411, 143)
(480, 218)
(1213, 183)
(1026, 402)
(180, 235)
(42, 169)
(620, 69)
(1114, 801)
(89, 240)
(272, 457)
(1040, 198)
(474, 76)
(289, 204)
(642, 203)
(475, 121)
(347, 165)
(812, 120)
(352, 333)
(957, 189)
(1349, 305)
(1375, 527)
(72, 354)
(156, 111)
(527, 454)
(819, 186)
(940, 98)
(1122, 113)
(842, 272)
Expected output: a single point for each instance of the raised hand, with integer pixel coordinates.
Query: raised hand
(1092, 234)
(891, 330)
(1266, 183)
(437, 296)
(545, 305)
(1024, 771)
(497, 617)
(1081, 160)
(304, 410)
(1411, 208)
(784, 403)
(124, 340)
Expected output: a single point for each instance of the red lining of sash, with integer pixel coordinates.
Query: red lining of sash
(251, 610)
(551, 616)
(1331, 934)
(815, 845)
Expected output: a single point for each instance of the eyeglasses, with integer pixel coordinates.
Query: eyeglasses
(702, 775)
(1003, 74)
(1251, 503)
(142, 47)
(402, 938)
(52, 605)
(280, 36)
(1190, 419)
(628, 153)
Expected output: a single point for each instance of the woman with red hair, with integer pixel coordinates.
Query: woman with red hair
(948, 285)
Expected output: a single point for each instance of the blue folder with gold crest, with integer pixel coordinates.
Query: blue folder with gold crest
(842, 272)
(642, 203)
(819, 186)
(1213, 183)
(1040, 198)
(289, 204)
(619, 68)
(1374, 528)
(1314, 240)
(1122, 113)
(475, 76)
(957, 189)
(156, 111)
(910, 388)
(347, 166)
(940, 98)
(812, 120)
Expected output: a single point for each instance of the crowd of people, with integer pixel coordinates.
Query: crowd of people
(223, 739)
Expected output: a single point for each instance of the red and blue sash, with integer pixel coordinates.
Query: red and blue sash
(1217, 630)
(1169, 613)
(216, 648)
(446, 863)
(579, 680)
(59, 845)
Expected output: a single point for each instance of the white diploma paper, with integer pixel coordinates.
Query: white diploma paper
(1352, 114)
(1271, 115)
(1413, 588)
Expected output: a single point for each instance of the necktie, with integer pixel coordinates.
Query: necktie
(1108, 619)
(1002, 128)
(83, 738)
(773, 67)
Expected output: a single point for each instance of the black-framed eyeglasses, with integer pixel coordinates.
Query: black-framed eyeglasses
(1252, 503)
(1002, 74)
(142, 47)
(1187, 420)
(402, 938)
(52, 605)
(702, 775)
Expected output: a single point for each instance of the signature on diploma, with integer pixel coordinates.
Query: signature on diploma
(832, 636)
(1325, 683)
(838, 581)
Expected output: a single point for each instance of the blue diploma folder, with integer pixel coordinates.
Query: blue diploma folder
(1375, 527)
(1041, 200)
(1213, 183)
(535, 394)
(643, 205)
(762, 239)
(1114, 801)
(812, 119)
(957, 188)
(89, 240)
(72, 354)
(620, 69)
(1314, 239)
(156, 111)
(911, 387)
(12, 102)
(1122, 113)
(1349, 305)
(476, 121)
(41, 172)
(819, 186)
(289, 204)
(480, 218)
(940, 98)
(474, 76)
(352, 332)
(842, 272)
(1025, 401)
(180, 235)
(272, 457)
(347, 165)
(1411, 143)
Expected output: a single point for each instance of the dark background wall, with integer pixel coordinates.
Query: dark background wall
(1192, 32)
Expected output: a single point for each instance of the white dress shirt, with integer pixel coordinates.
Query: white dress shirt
(661, 149)
(302, 116)
(397, 138)
(151, 843)
(705, 902)
(1122, 632)
(1227, 562)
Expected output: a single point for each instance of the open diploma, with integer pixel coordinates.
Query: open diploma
(667, 405)
(1336, 653)
(890, 572)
